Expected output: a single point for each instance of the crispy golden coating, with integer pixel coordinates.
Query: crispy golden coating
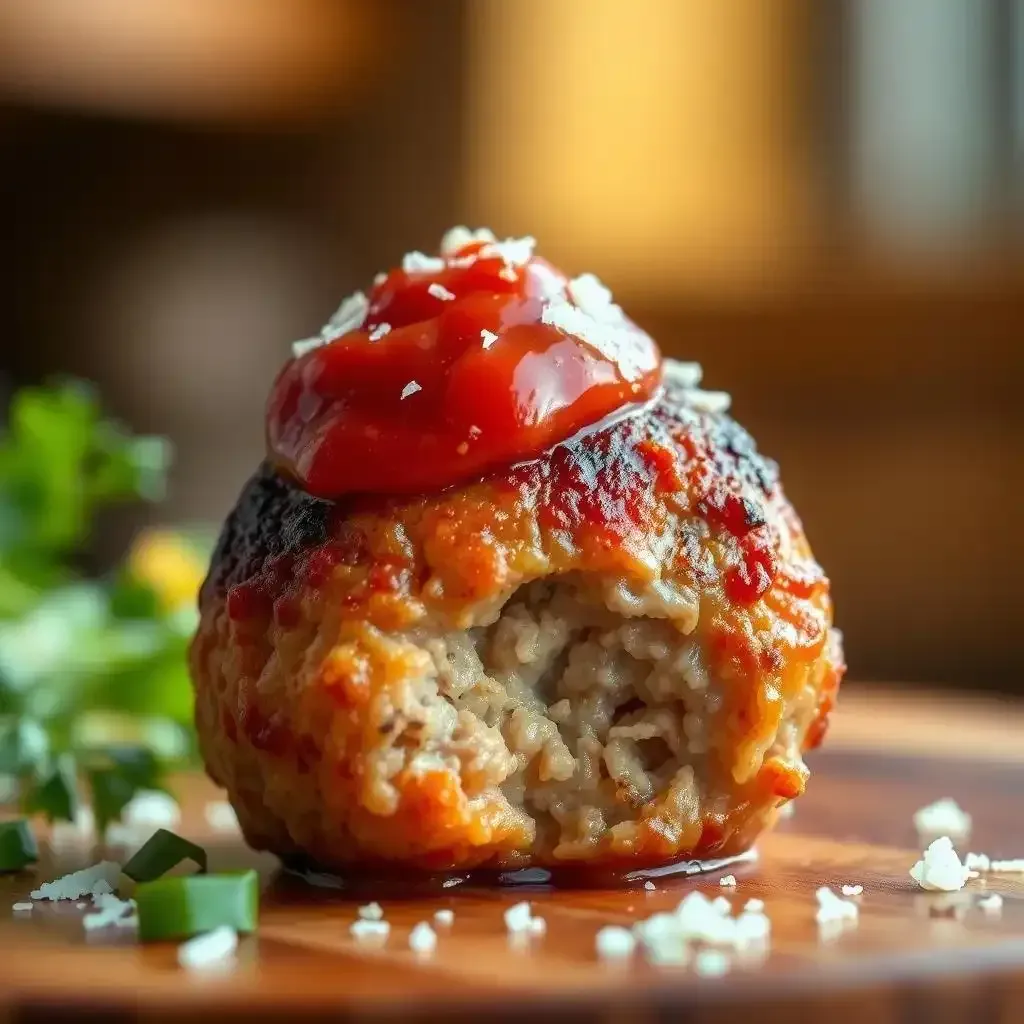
(332, 704)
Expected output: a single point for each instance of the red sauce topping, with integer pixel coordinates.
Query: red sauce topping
(486, 359)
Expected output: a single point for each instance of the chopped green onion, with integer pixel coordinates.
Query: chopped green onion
(162, 851)
(178, 908)
(17, 845)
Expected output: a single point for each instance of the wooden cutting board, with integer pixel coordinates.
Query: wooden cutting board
(913, 956)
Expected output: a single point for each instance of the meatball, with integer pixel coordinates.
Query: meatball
(612, 656)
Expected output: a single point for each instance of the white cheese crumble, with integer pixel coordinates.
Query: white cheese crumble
(615, 343)
(518, 918)
(549, 283)
(753, 906)
(977, 862)
(300, 348)
(371, 912)
(423, 939)
(831, 908)
(363, 930)
(940, 869)
(438, 291)
(445, 918)
(110, 911)
(711, 963)
(729, 881)
(650, 886)
(614, 943)
(513, 252)
(420, 263)
(488, 338)
(380, 331)
(991, 904)
(349, 316)
(538, 926)
(220, 816)
(100, 878)
(722, 905)
(707, 401)
(944, 817)
(1011, 867)
(410, 389)
(460, 236)
(20, 907)
(100, 889)
(852, 890)
(379, 279)
(213, 947)
(684, 375)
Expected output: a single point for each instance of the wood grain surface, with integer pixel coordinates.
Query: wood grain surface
(913, 956)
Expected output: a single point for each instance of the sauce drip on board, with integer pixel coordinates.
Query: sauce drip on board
(453, 366)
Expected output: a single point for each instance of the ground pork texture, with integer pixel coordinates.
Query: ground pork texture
(613, 657)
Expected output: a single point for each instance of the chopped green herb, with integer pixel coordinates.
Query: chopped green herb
(17, 845)
(178, 908)
(164, 850)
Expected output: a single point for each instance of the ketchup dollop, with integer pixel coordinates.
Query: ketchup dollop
(453, 366)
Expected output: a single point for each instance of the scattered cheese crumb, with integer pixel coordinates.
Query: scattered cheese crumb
(379, 279)
(419, 263)
(488, 338)
(410, 389)
(612, 341)
(300, 348)
(445, 917)
(940, 869)
(220, 816)
(100, 889)
(371, 912)
(109, 911)
(518, 917)
(1009, 867)
(991, 904)
(379, 331)
(977, 862)
(688, 375)
(538, 926)
(20, 907)
(423, 939)
(513, 252)
(729, 881)
(440, 292)
(213, 947)
(81, 906)
(853, 890)
(363, 930)
(549, 283)
(650, 886)
(614, 943)
(753, 906)
(711, 963)
(707, 401)
(722, 905)
(832, 909)
(100, 878)
(944, 817)
(349, 316)
(460, 236)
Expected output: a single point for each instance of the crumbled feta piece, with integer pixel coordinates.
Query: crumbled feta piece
(438, 291)
(548, 282)
(1009, 867)
(100, 889)
(349, 316)
(19, 908)
(852, 890)
(729, 881)
(101, 878)
(944, 817)
(220, 816)
(513, 252)
(977, 862)
(410, 389)
(649, 886)
(538, 926)
(614, 943)
(379, 279)
(707, 401)
(419, 263)
(208, 949)
(371, 912)
(615, 343)
(518, 918)
(711, 963)
(686, 375)
(300, 348)
(488, 338)
(444, 917)
(109, 911)
(752, 928)
(423, 939)
(991, 904)
(753, 906)
(940, 869)
(380, 331)
(832, 908)
(460, 236)
(369, 930)
(722, 905)
(593, 297)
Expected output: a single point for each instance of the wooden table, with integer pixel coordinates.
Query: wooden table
(908, 960)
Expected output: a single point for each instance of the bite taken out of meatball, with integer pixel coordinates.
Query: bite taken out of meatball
(613, 656)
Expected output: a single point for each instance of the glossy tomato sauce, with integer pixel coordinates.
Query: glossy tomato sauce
(461, 364)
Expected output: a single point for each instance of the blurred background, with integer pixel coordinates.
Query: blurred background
(822, 203)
